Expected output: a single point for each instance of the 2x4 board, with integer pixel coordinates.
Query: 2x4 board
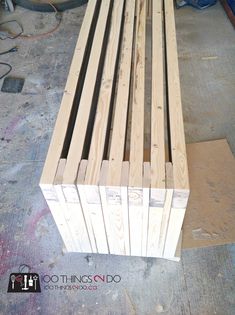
(103, 196)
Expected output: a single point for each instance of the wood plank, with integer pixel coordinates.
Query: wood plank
(157, 151)
(59, 133)
(137, 123)
(178, 149)
(106, 211)
(135, 200)
(157, 102)
(146, 197)
(90, 231)
(93, 212)
(138, 199)
(125, 208)
(122, 97)
(96, 152)
(57, 210)
(210, 215)
(173, 231)
(80, 128)
(166, 209)
(156, 208)
(115, 208)
(76, 220)
(68, 215)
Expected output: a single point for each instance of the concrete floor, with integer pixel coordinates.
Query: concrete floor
(203, 282)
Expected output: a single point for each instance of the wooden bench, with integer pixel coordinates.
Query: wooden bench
(105, 195)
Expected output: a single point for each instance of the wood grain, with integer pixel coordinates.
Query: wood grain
(137, 120)
(122, 99)
(80, 128)
(178, 149)
(157, 101)
(96, 152)
(59, 133)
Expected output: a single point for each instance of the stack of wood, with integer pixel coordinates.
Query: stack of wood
(104, 194)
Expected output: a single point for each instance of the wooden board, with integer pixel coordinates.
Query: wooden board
(80, 128)
(64, 210)
(178, 148)
(58, 209)
(210, 217)
(96, 152)
(122, 98)
(60, 129)
(91, 204)
(166, 210)
(77, 222)
(115, 209)
(138, 101)
(158, 158)
(85, 210)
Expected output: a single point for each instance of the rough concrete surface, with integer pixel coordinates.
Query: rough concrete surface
(203, 282)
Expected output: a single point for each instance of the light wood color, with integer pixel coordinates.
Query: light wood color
(146, 197)
(210, 215)
(137, 120)
(135, 201)
(173, 231)
(90, 231)
(115, 209)
(157, 152)
(77, 221)
(57, 210)
(166, 209)
(96, 152)
(178, 148)
(93, 212)
(59, 133)
(138, 200)
(156, 208)
(80, 128)
(136, 207)
(68, 216)
(157, 101)
(122, 97)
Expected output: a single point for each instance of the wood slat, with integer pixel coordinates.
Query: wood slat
(65, 211)
(157, 101)
(137, 119)
(146, 195)
(96, 152)
(80, 128)
(59, 133)
(115, 209)
(166, 209)
(157, 150)
(93, 212)
(178, 148)
(86, 215)
(57, 210)
(122, 97)
(76, 220)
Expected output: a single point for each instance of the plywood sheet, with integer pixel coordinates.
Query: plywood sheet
(210, 216)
